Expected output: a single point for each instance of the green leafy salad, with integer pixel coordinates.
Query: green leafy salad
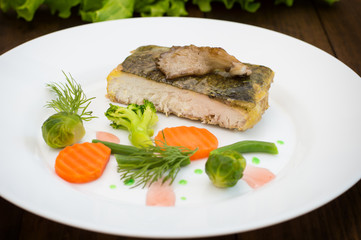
(102, 10)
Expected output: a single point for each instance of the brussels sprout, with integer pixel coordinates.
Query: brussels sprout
(66, 126)
(63, 129)
(226, 168)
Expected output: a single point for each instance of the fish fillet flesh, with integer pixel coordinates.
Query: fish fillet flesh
(217, 98)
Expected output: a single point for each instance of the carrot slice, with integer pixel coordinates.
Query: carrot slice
(107, 137)
(82, 162)
(190, 137)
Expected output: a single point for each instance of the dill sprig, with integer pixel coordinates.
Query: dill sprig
(70, 98)
(151, 163)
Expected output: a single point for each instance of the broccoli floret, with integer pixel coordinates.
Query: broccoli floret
(139, 120)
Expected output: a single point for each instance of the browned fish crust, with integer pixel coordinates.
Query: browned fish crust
(247, 95)
(198, 61)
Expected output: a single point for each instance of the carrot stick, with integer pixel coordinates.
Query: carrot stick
(82, 162)
(189, 137)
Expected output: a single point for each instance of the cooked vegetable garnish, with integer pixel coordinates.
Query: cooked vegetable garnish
(139, 120)
(82, 162)
(146, 165)
(160, 194)
(249, 146)
(225, 165)
(118, 148)
(194, 138)
(105, 136)
(66, 127)
(226, 168)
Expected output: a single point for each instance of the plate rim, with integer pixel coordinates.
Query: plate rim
(300, 212)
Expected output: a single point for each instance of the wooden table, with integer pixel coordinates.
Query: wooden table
(335, 30)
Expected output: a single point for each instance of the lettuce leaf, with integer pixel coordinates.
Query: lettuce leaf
(204, 5)
(103, 10)
(24, 8)
(97, 11)
(63, 7)
(157, 8)
(91, 5)
(177, 8)
(286, 2)
(248, 5)
(152, 8)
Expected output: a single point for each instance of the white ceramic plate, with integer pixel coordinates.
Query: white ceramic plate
(314, 109)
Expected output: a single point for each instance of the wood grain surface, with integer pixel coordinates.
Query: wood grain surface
(336, 30)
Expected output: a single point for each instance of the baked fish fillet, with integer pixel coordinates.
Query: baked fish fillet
(216, 98)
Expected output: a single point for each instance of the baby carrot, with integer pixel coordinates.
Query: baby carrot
(189, 137)
(82, 162)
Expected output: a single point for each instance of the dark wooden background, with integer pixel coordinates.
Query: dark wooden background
(336, 30)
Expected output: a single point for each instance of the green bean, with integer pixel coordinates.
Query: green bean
(129, 161)
(250, 146)
(118, 148)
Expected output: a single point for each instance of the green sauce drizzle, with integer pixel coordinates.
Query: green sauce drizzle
(255, 160)
(183, 182)
(129, 182)
(198, 171)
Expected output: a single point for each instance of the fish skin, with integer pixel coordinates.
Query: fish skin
(241, 91)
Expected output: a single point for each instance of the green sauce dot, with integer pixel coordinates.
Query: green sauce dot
(255, 160)
(182, 182)
(112, 186)
(198, 171)
(280, 142)
(183, 198)
(129, 182)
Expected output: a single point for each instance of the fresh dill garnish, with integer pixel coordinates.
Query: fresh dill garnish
(70, 98)
(151, 163)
